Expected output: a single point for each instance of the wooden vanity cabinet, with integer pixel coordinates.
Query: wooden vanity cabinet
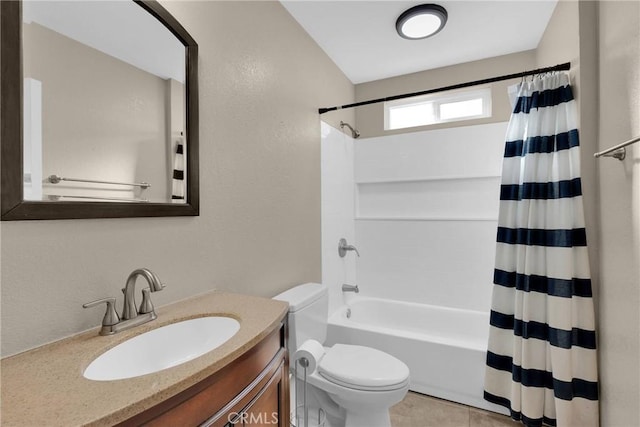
(251, 391)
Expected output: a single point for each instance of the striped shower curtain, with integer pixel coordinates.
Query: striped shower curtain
(177, 180)
(541, 359)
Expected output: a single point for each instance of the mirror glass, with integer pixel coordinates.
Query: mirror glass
(104, 95)
(103, 104)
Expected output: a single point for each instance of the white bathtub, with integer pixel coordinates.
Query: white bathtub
(445, 348)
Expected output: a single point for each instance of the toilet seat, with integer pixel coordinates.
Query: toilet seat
(363, 368)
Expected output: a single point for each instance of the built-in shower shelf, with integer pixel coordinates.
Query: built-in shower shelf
(424, 218)
(443, 198)
(426, 179)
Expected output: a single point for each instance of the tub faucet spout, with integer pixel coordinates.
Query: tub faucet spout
(350, 288)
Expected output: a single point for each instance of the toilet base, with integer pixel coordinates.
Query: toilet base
(368, 408)
(366, 416)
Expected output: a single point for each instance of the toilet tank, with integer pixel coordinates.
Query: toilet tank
(308, 313)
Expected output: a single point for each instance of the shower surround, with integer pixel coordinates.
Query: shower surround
(422, 209)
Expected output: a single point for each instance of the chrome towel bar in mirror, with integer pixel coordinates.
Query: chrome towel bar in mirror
(55, 179)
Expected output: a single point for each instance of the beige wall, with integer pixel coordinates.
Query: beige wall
(561, 39)
(262, 80)
(619, 188)
(370, 118)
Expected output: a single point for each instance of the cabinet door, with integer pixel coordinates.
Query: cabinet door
(270, 408)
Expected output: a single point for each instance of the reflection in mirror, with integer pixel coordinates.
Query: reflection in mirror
(104, 104)
(108, 132)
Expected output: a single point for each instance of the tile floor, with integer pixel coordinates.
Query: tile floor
(418, 410)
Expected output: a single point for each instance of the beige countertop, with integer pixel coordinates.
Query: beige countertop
(45, 386)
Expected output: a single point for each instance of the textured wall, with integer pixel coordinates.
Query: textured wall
(261, 81)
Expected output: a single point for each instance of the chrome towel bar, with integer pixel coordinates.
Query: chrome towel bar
(116, 199)
(54, 179)
(617, 151)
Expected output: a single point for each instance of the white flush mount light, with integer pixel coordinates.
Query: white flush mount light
(421, 21)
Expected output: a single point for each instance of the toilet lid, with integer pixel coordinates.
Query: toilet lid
(363, 368)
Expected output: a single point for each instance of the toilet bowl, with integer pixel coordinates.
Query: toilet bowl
(362, 381)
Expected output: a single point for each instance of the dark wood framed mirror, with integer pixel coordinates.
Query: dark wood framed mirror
(14, 204)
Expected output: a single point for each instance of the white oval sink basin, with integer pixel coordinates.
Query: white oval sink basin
(162, 348)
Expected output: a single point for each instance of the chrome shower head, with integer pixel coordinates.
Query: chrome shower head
(354, 132)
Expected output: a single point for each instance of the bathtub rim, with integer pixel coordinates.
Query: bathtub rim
(338, 318)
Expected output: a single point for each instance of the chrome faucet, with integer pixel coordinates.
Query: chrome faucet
(343, 247)
(129, 310)
(111, 322)
(350, 288)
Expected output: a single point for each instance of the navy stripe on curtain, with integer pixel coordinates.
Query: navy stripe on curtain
(556, 337)
(542, 99)
(542, 190)
(179, 175)
(565, 288)
(542, 144)
(538, 237)
(565, 390)
(540, 359)
(533, 422)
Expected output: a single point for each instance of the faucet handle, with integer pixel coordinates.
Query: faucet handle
(343, 247)
(146, 306)
(111, 316)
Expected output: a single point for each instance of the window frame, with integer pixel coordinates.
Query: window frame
(439, 99)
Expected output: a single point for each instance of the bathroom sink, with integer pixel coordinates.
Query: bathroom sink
(162, 348)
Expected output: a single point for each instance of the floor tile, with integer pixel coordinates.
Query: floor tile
(480, 418)
(418, 410)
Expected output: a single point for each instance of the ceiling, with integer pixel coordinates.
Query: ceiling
(360, 36)
(120, 29)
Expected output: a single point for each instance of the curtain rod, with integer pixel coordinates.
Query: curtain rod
(560, 67)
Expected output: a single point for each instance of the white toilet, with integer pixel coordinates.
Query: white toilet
(362, 383)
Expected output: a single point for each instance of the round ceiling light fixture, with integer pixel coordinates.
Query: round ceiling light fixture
(422, 21)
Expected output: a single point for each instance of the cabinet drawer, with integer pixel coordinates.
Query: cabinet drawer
(263, 395)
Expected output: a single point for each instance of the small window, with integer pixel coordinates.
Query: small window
(439, 108)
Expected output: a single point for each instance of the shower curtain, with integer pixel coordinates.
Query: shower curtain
(177, 191)
(541, 359)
